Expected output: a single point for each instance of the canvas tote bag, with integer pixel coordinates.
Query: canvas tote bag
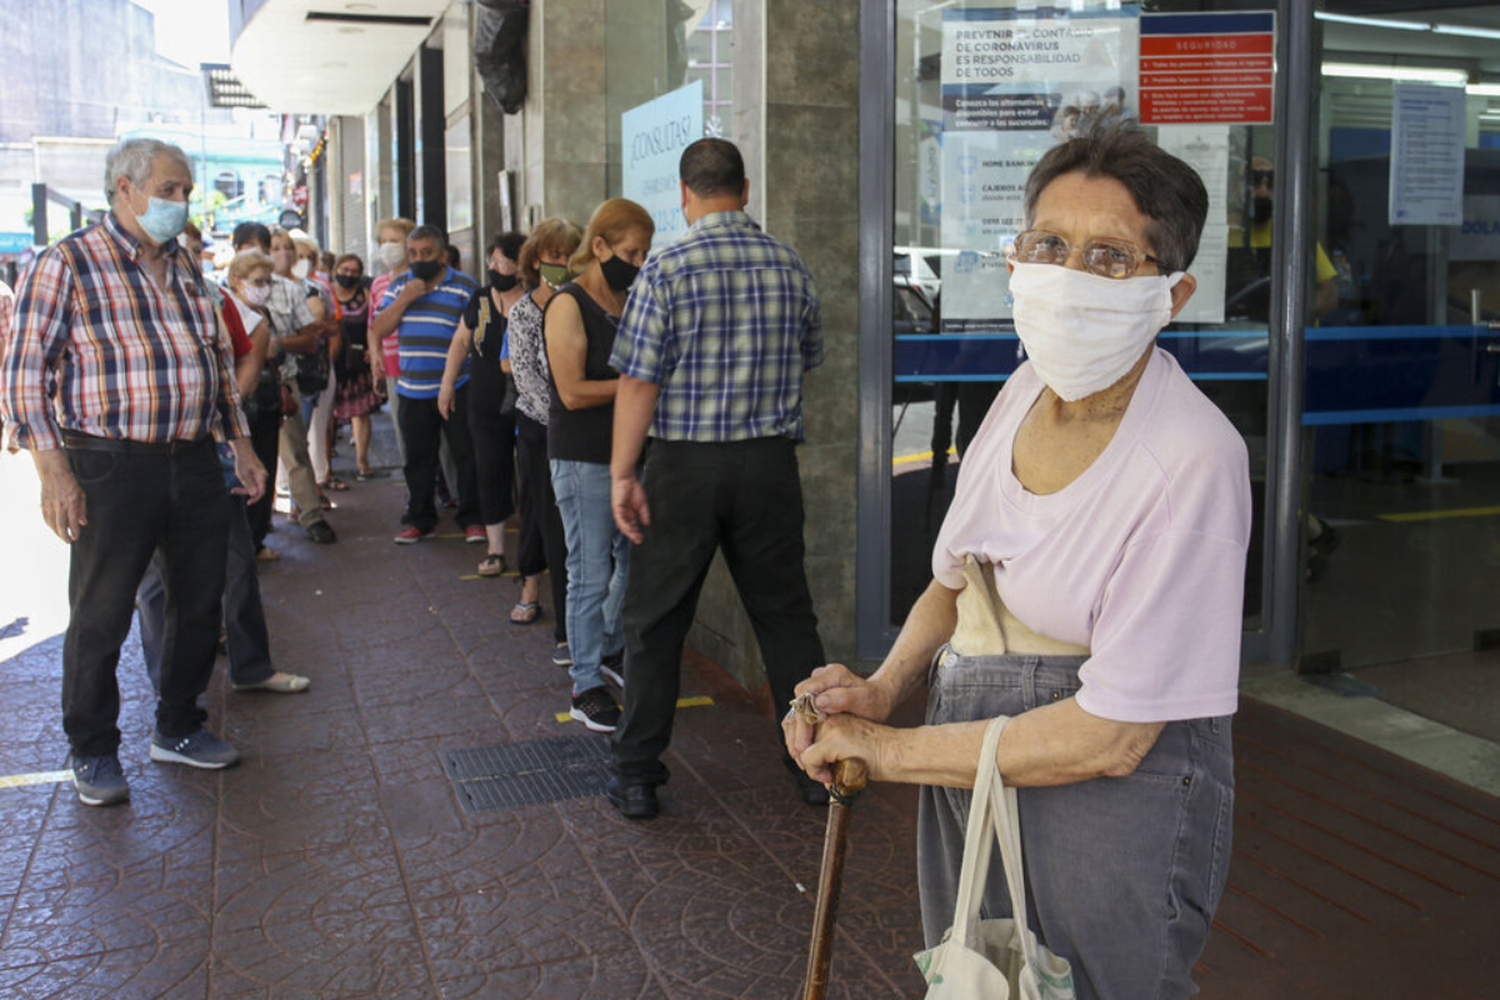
(996, 959)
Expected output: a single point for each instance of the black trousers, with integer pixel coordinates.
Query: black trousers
(422, 430)
(247, 638)
(746, 498)
(494, 436)
(543, 545)
(137, 504)
(265, 439)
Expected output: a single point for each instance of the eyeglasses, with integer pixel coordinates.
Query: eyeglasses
(1106, 258)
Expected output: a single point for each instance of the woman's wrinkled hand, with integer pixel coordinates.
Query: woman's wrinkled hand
(839, 737)
(835, 691)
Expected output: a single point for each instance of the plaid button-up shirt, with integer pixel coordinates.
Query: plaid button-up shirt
(724, 322)
(100, 348)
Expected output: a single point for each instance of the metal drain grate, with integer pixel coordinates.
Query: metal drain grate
(529, 773)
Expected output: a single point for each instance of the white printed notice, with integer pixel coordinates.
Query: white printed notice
(1427, 155)
(652, 138)
(1014, 84)
(1205, 148)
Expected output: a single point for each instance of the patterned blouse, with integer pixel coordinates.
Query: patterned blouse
(528, 358)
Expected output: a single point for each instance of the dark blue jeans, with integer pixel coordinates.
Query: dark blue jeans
(248, 640)
(137, 504)
(1123, 874)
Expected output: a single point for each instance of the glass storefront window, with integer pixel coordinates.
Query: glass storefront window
(982, 89)
(669, 64)
(1401, 424)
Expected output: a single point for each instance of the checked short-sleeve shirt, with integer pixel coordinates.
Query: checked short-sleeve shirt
(101, 348)
(724, 321)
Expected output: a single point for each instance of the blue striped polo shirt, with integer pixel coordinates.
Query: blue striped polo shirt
(427, 328)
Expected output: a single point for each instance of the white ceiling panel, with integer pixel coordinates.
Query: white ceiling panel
(297, 66)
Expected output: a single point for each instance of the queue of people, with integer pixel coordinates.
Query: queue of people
(640, 407)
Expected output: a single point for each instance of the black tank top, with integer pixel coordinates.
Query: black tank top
(584, 435)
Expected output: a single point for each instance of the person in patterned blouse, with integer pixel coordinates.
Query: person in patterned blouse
(544, 269)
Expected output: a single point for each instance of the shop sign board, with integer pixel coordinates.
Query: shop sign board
(652, 138)
(1207, 68)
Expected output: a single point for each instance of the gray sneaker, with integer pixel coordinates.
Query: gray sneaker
(99, 780)
(199, 749)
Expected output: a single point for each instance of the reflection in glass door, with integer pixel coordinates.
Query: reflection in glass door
(1402, 415)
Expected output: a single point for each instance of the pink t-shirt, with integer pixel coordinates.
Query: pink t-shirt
(1141, 558)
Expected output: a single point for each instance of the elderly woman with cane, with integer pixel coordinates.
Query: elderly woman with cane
(1087, 584)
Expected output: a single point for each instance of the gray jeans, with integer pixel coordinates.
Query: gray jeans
(1123, 874)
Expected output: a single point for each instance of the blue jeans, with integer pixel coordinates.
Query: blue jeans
(1124, 874)
(597, 558)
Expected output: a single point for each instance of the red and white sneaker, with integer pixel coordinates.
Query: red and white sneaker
(412, 534)
(474, 534)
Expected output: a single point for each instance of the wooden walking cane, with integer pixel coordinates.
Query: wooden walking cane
(848, 781)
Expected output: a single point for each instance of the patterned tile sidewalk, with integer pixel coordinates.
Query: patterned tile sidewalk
(335, 861)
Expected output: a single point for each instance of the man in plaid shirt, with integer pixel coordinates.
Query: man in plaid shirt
(117, 377)
(711, 350)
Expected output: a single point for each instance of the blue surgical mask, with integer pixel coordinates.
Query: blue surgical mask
(163, 219)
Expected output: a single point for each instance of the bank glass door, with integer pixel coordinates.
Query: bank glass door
(1401, 453)
(982, 90)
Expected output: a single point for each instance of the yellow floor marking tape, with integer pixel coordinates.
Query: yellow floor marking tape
(1441, 515)
(476, 576)
(918, 456)
(472, 576)
(39, 778)
(696, 702)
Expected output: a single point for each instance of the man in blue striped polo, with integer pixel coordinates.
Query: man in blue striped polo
(422, 306)
(718, 331)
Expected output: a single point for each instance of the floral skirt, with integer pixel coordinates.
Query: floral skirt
(356, 394)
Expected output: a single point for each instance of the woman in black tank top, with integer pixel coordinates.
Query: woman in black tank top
(579, 329)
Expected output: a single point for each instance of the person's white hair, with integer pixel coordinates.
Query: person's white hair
(132, 158)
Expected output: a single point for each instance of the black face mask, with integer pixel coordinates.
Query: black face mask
(619, 273)
(347, 280)
(501, 282)
(1263, 209)
(426, 270)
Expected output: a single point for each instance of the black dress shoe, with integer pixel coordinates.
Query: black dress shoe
(633, 801)
(322, 533)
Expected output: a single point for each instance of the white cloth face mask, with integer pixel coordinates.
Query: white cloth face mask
(392, 254)
(302, 268)
(1083, 332)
